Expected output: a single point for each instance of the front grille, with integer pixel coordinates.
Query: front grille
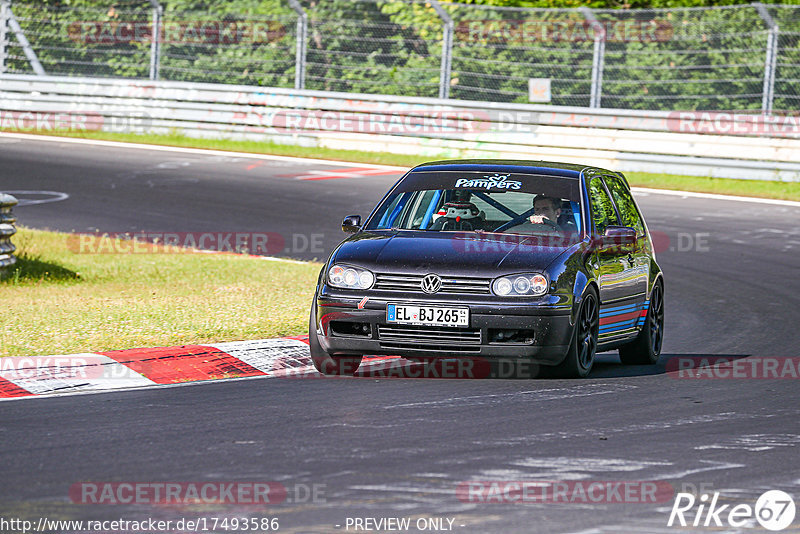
(450, 284)
(430, 338)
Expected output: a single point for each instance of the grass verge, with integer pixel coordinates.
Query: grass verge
(722, 186)
(62, 302)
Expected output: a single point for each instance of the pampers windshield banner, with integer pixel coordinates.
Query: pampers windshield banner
(497, 181)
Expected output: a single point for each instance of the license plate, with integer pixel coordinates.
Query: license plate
(427, 315)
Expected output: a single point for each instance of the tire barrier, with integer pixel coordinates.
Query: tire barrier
(7, 230)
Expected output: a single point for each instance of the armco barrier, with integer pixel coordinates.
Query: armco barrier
(693, 143)
(7, 229)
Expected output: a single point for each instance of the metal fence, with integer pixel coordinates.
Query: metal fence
(744, 57)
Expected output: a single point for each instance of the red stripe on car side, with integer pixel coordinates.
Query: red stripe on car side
(619, 318)
(189, 363)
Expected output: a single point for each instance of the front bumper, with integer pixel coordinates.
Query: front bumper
(551, 327)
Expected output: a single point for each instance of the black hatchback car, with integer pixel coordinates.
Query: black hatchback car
(537, 262)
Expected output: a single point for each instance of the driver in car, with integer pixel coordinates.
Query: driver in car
(547, 210)
(545, 207)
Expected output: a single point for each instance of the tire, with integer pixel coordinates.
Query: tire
(583, 347)
(646, 348)
(324, 362)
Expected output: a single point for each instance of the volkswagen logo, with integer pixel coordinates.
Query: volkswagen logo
(431, 283)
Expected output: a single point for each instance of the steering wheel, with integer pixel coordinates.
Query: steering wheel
(457, 225)
(546, 227)
(548, 222)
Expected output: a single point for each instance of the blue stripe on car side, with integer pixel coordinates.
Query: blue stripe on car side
(619, 310)
(624, 309)
(618, 326)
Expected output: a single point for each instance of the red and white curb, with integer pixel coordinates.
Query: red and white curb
(160, 366)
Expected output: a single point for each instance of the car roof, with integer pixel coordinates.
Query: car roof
(567, 170)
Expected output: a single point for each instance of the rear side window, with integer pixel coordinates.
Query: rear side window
(603, 211)
(625, 204)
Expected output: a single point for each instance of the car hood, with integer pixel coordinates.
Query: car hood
(444, 252)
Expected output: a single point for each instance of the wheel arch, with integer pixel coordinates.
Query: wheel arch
(659, 277)
(582, 284)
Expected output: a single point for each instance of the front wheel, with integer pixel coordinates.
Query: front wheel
(580, 355)
(646, 348)
(324, 362)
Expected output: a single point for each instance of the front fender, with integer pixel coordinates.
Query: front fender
(578, 290)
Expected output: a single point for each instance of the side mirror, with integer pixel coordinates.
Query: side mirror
(617, 237)
(351, 224)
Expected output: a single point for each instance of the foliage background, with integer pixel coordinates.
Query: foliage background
(710, 59)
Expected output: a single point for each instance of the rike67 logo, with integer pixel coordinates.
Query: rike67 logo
(774, 510)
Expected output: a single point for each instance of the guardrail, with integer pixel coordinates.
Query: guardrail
(7, 229)
(762, 147)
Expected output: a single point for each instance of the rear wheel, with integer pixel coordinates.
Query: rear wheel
(582, 349)
(324, 362)
(646, 348)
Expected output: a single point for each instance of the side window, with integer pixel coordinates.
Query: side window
(625, 204)
(420, 208)
(385, 213)
(602, 209)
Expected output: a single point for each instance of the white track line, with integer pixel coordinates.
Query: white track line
(184, 150)
(716, 197)
(203, 151)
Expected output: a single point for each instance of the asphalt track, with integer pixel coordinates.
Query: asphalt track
(401, 447)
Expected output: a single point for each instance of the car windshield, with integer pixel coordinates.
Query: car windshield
(482, 202)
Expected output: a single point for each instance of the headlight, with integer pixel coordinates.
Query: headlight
(348, 277)
(520, 285)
